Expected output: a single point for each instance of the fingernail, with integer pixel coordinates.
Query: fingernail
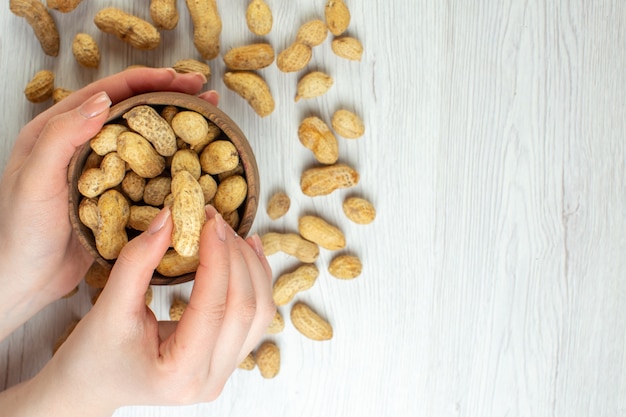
(211, 96)
(199, 75)
(257, 245)
(172, 71)
(220, 227)
(159, 221)
(95, 106)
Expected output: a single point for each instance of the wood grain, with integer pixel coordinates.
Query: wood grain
(494, 275)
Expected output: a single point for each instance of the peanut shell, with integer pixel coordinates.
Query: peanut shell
(253, 89)
(85, 50)
(249, 57)
(41, 21)
(288, 285)
(347, 47)
(231, 193)
(316, 136)
(149, 124)
(173, 264)
(359, 210)
(185, 66)
(319, 231)
(347, 124)
(177, 309)
(267, 358)
(314, 84)
(345, 267)
(40, 87)
(294, 58)
(324, 180)
(259, 17)
(309, 323)
(278, 205)
(142, 158)
(337, 16)
(312, 33)
(188, 214)
(277, 325)
(128, 28)
(292, 244)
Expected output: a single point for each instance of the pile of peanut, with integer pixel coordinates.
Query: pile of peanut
(148, 160)
(314, 233)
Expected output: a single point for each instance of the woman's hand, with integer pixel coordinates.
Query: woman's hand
(40, 257)
(119, 354)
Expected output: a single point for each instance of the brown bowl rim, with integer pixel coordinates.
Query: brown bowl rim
(185, 101)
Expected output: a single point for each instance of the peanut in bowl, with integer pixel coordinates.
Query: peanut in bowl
(154, 147)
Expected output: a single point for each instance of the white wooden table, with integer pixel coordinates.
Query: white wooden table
(494, 277)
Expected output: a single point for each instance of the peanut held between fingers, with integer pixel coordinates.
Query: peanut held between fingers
(188, 214)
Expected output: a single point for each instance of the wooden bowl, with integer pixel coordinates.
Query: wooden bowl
(247, 211)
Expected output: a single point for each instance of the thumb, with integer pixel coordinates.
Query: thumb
(130, 277)
(60, 137)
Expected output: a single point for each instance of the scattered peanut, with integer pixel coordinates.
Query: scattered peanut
(248, 363)
(249, 57)
(316, 136)
(319, 231)
(312, 33)
(278, 205)
(253, 89)
(59, 94)
(42, 23)
(64, 6)
(207, 27)
(345, 267)
(294, 58)
(314, 84)
(309, 323)
(40, 87)
(347, 124)
(164, 13)
(277, 325)
(85, 50)
(177, 309)
(337, 16)
(267, 358)
(259, 17)
(128, 28)
(324, 180)
(359, 210)
(288, 285)
(292, 244)
(347, 47)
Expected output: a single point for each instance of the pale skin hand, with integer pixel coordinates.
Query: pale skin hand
(40, 257)
(119, 354)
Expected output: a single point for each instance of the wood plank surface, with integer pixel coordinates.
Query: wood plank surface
(494, 279)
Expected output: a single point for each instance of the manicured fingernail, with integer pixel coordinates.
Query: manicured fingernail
(220, 227)
(211, 96)
(159, 221)
(257, 245)
(198, 75)
(172, 71)
(95, 106)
